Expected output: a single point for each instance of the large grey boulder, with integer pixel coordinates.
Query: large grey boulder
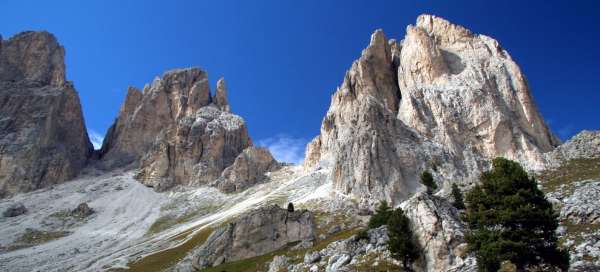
(43, 139)
(440, 234)
(259, 232)
(443, 99)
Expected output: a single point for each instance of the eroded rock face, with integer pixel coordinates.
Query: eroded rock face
(179, 135)
(43, 139)
(584, 145)
(440, 234)
(247, 169)
(261, 231)
(443, 99)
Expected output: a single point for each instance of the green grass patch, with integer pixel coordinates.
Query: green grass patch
(168, 221)
(33, 237)
(569, 172)
(165, 259)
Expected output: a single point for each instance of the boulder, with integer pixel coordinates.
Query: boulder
(15, 209)
(440, 234)
(259, 232)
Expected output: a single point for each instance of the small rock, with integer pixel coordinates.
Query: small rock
(279, 263)
(313, 257)
(15, 210)
(82, 211)
(333, 230)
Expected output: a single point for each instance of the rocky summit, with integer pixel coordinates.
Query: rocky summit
(43, 139)
(178, 184)
(178, 134)
(442, 99)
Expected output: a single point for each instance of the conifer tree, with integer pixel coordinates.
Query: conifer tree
(511, 220)
(402, 244)
(427, 180)
(381, 216)
(458, 197)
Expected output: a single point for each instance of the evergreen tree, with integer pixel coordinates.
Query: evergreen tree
(511, 220)
(401, 244)
(290, 207)
(381, 216)
(427, 180)
(458, 197)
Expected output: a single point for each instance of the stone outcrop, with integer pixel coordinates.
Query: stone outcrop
(443, 99)
(43, 139)
(178, 134)
(259, 232)
(584, 145)
(247, 169)
(440, 234)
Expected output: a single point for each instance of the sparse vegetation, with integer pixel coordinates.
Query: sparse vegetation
(458, 197)
(402, 244)
(570, 172)
(427, 180)
(34, 237)
(511, 220)
(381, 216)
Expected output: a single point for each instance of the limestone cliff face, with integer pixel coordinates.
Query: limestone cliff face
(176, 132)
(440, 233)
(43, 139)
(443, 99)
(257, 233)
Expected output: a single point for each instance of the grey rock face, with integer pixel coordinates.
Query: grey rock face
(43, 139)
(443, 99)
(440, 234)
(584, 145)
(15, 210)
(343, 254)
(180, 135)
(261, 231)
(247, 169)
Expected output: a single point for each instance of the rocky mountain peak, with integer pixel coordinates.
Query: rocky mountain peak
(43, 139)
(33, 57)
(443, 100)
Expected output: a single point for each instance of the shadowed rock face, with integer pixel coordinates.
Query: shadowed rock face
(43, 139)
(443, 99)
(178, 134)
(261, 231)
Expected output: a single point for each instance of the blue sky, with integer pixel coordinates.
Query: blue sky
(283, 60)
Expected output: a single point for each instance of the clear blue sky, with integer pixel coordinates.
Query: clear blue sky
(282, 60)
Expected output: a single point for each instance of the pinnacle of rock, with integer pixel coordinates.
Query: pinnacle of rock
(221, 96)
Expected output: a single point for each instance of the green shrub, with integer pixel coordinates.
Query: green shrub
(458, 197)
(381, 216)
(427, 180)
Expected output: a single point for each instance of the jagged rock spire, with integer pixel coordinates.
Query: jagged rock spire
(221, 96)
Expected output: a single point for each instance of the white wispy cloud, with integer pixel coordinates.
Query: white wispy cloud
(285, 148)
(96, 138)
